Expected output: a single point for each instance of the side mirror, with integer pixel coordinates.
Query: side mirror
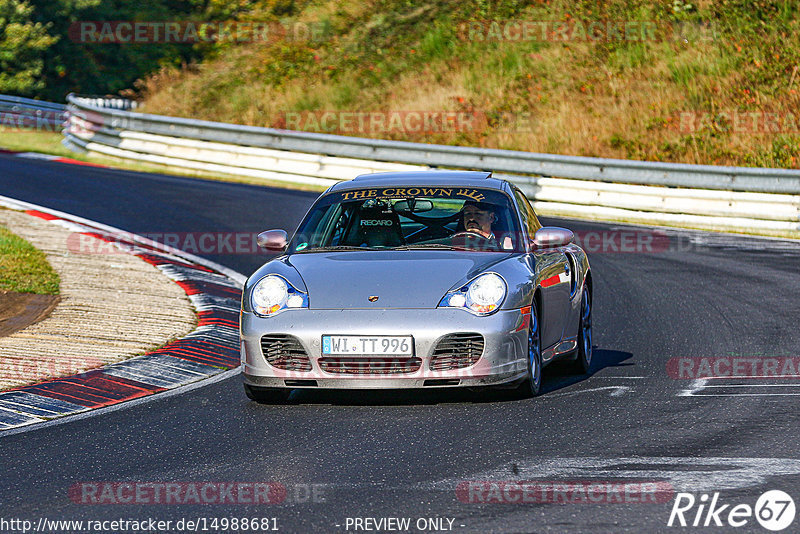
(552, 236)
(275, 240)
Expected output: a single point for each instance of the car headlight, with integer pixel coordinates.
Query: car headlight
(272, 294)
(482, 296)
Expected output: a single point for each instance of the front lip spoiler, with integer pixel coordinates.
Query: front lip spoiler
(380, 383)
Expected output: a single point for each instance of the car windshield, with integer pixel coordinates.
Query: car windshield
(410, 218)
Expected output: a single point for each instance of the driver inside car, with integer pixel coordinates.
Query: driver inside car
(478, 217)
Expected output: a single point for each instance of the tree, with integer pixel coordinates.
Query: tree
(105, 68)
(23, 44)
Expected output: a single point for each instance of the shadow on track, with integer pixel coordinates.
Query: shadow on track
(557, 376)
(554, 379)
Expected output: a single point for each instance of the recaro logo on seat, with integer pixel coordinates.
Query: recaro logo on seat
(379, 222)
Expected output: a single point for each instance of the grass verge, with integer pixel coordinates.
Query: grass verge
(23, 268)
(34, 141)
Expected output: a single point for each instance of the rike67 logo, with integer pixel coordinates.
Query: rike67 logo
(774, 510)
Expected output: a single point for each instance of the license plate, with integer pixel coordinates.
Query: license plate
(363, 345)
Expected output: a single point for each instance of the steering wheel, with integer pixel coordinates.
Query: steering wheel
(473, 240)
(470, 233)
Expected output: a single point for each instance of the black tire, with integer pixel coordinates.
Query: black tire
(266, 395)
(583, 354)
(532, 384)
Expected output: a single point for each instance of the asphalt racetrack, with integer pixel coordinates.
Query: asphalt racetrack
(342, 456)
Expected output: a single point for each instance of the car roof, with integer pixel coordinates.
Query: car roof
(481, 179)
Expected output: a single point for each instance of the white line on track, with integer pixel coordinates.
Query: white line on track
(684, 473)
(701, 388)
(616, 391)
(737, 377)
(621, 377)
(695, 386)
(746, 395)
(754, 386)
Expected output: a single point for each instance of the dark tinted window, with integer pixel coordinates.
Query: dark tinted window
(410, 217)
(532, 223)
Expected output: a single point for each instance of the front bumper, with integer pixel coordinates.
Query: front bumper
(504, 358)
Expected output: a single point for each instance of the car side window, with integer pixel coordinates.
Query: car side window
(528, 215)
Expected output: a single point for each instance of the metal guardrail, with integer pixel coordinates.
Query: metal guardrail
(107, 102)
(598, 169)
(27, 113)
(32, 103)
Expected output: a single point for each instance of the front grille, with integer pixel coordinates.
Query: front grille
(285, 352)
(456, 351)
(370, 366)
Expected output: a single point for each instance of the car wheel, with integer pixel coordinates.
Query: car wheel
(583, 357)
(533, 382)
(266, 395)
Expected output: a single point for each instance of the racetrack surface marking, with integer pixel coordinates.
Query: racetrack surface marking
(696, 385)
(738, 390)
(683, 473)
(616, 391)
(742, 386)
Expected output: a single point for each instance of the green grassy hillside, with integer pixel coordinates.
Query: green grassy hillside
(705, 82)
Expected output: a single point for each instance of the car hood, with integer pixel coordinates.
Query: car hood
(400, 279)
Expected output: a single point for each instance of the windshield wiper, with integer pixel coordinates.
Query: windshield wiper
(427, 245)
(335, 248)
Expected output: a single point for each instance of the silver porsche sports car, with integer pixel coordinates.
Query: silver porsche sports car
(416, 280)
